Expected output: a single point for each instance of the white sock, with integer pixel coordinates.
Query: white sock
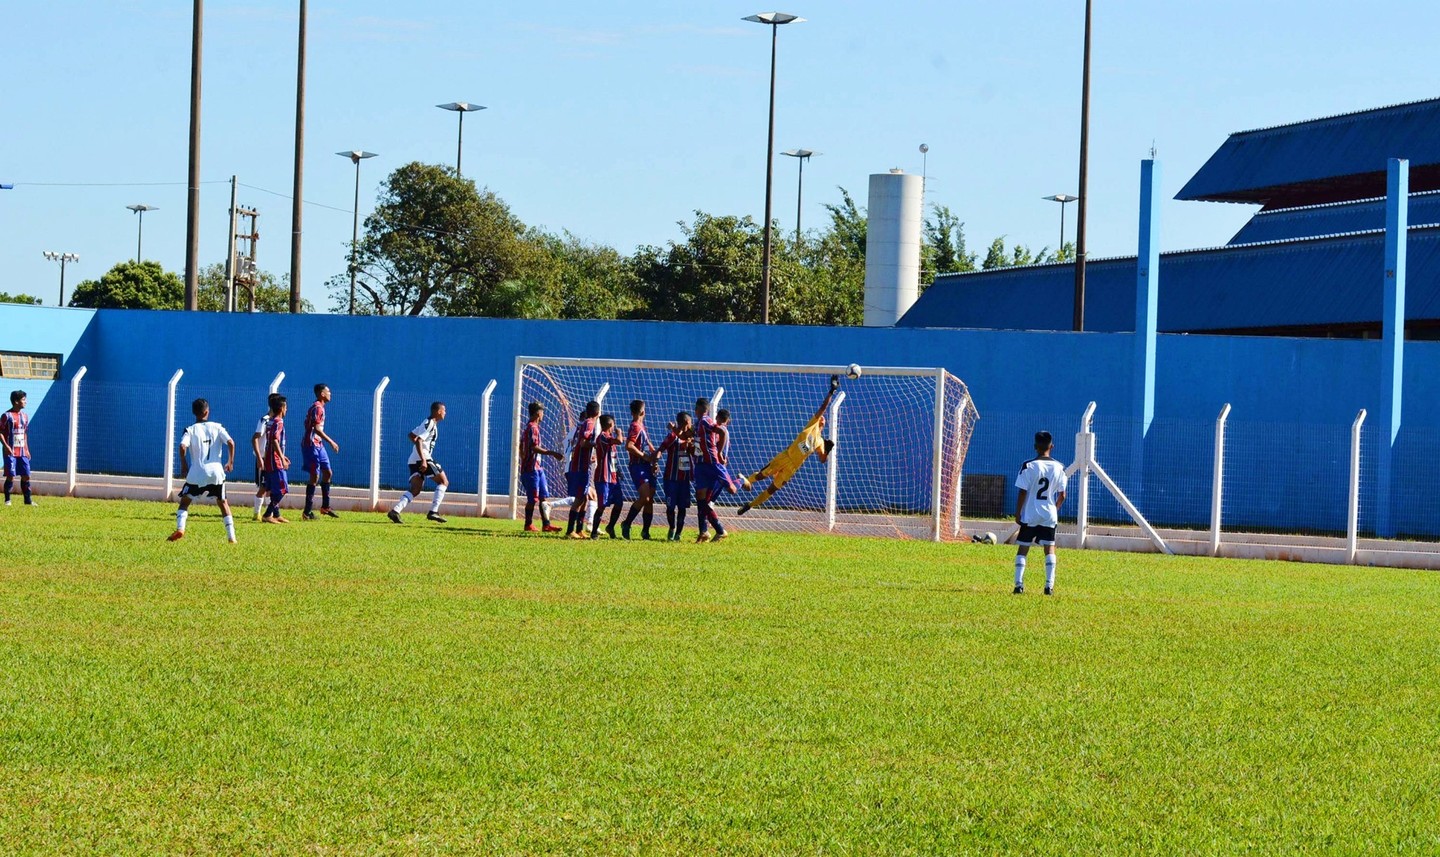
(403, 502)
(1019, 569)
(230, 527)
(259, 502)
(180, 517)
(589, 514)
(439, 497)
(1049, 570)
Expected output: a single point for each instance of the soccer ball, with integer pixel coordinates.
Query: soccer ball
(854, 371)
(985, 538)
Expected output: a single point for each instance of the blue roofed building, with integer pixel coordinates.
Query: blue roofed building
(1309, 263)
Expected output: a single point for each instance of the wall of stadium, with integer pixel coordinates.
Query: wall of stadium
(1296, 397)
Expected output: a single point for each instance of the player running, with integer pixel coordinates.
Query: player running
(14, 436)
(1042, 493)
(577, 477)
(532, 474)
(782, 467)
(608, 493)
(642, 471)
(313, 456)
(204, 472)
(423, 464)
(679, 450)
(713, 438)
(275, 462)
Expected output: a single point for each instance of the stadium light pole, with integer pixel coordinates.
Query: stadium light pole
(192, 200)
(356, 157)
(62, 258)
(774, 20)
(801, 156)
(460, 107)
(140, 210)
(1063, 199)
(924, 173)
(1079, 318)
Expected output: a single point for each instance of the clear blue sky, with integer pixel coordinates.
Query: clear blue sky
(616, 120)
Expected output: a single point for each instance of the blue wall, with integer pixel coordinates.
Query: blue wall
(47, 330)
(1293, 399)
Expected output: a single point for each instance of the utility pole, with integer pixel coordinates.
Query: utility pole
(296, 204)
(192, 218)
(230, 254)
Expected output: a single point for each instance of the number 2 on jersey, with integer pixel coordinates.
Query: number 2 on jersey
(1043, 493)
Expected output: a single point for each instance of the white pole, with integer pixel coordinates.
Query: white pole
(1129, 507)
(831, 463)
(482, 491)
(518, 405)
(715, 401)
(1352, 525)
(72, 457)
(275, 384)
(375, 444)
(170, 431)
(938, 469)
(1084, 455)
(1218, 486)
(600, 396)
(959, 470)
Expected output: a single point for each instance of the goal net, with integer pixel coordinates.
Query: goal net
(900, 437)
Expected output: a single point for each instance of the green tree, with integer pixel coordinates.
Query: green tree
(849, 226)
(7, 298)
(132, 285)
(272, 293)
(944, 250)
(712, 275)
(437, 244)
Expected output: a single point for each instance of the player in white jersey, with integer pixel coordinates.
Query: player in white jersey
(1042, 493)
(205, 467)
(423, 464)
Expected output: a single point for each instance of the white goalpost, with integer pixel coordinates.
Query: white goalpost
(895, 471)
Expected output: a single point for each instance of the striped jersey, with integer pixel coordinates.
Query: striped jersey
(581, 443)
(315, 420)
(641, 439)
(529, 442)
(679, 458)
(15, 428)
(708, 438)
(607, 456)
(274, 448)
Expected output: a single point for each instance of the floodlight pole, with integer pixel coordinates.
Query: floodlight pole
(773, 20)
(356, 157)
(1079, 317)
(140, 227)
(192, 215)
(801, 155)
(62, 258)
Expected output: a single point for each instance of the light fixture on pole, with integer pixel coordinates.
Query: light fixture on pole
(800, 155)
(1063, 199)
(773, 20)
(356, 157)
(924, 171)
(140, 226)
(62, 258)
(460, 107)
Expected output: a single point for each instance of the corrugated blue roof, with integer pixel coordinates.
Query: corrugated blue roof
(1322, 160)
(1333, 219)
(1318, 281)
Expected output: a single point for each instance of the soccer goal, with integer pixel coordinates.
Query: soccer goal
(900, 436)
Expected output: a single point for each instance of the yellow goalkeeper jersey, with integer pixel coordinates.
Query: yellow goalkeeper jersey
(811, 438)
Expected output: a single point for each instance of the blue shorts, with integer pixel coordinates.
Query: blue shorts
(641, 474)
(17, 465)
(609, 494)
(278, 483)
(315, 459)
(534, 485)
(577, 484)
(713, 478)
(677, 493)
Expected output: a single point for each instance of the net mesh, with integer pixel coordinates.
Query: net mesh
(884, 462)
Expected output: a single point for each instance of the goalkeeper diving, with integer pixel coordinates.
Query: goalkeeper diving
(810, 441)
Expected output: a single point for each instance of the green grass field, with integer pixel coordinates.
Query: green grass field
(351, 686)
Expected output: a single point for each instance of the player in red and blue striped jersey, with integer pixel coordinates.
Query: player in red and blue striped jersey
(713, 438)
(608, 493)
(532, 474)
(577, 476)
(642, 471)
(14, 436)
(276, 463)
(679, 450)
(315, 460)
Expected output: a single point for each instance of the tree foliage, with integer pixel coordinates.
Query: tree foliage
(132, 285)
(7, 298)
(272, 293)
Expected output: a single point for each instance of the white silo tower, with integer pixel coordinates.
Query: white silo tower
(892, 246)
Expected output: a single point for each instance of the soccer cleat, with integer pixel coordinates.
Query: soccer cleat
(275, 519)
(394, 516)
(531, 528)
(31, 503)
(720, 537)
(176, 536)
(7, 502)
(309, 516)
(578, 535)
(703, 537)
(434, 516)
(610, 531)
(256, 517)
(1019, 589)
(1049, 590)
(743, 509)
(549, 528)
(231, 539)
(670, 535)
(645, 535)
(624, 532)
(595, 535)
(328, 512)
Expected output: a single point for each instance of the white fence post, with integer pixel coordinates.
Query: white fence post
(275, 384)
(938, 469)
(1352, 524)
(482, 490)
(170, 431)
(831, 463)
(1084, 454)
(375, 444)
(72, 457)
(1217, 490)
(959, 470)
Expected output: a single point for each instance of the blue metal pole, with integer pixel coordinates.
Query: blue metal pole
(1392, 360)
(1147, 287)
